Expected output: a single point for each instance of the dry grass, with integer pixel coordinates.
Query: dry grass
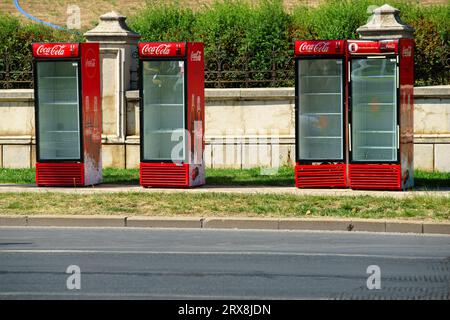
(224, 204)
(55, 11)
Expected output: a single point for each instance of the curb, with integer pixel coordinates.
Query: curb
(75, 221)
(143, 222)
(240, 223)
(323, 224)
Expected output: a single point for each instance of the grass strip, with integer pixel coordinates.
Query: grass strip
(224, 204)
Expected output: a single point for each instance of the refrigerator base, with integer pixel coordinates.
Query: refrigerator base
(320, 176)
(375, 176)
(165, 175)
(59, 174)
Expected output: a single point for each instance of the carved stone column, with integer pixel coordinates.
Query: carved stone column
(118, 52)
(385, 23)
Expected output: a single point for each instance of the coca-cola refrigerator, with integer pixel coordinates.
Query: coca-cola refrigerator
(68, 119)
(172, 114)
(320, 113)
(381, 80)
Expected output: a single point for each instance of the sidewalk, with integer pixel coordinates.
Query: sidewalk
(105, 188)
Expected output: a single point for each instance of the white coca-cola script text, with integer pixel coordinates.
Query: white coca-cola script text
(320, 47)
(162, 49)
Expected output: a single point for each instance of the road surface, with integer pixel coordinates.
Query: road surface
(119, 263)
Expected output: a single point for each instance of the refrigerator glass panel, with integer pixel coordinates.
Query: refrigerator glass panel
(58, 110)
(163, 114)
(320, 109)
(374, 109)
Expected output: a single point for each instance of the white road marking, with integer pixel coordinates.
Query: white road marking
(300, 254)
(149, 295)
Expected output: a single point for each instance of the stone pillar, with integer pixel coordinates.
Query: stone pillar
(118, 54)
(385, 23)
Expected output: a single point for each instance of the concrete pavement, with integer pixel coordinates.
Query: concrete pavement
(220, 264)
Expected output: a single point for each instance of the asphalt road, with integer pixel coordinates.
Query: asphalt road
(119, 263)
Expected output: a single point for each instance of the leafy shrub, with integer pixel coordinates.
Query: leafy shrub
(339, 19)
(223, 27)
(15, 48)
(247, 40)
(249, 43)
(160, 21)
(254, 41)
(331, 20)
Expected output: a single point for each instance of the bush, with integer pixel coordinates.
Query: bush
(254, 42)
(163, 22)
(339, 19)
(223, 27)
(331, 20)
(249, 43)
(244, 40)
(15, 48)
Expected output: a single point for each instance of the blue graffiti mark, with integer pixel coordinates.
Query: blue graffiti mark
(26, 14)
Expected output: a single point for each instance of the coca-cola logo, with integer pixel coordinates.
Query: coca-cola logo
(56, 50)
(162, 49)
(90, 62)
(196, 56)
(407, 52)
(320, 47)
(353, 47)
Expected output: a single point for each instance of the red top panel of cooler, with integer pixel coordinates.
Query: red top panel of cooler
(55, 50)
(356, 47)
(319, 47)
(162, 49)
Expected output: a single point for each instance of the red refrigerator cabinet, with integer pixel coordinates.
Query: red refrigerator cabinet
(172, 114)
(320, 113)
(68, 118)
(381, 79)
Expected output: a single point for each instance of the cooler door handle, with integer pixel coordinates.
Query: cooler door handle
(397, 78)
(349, 137)
(398, 137)
(349, 72)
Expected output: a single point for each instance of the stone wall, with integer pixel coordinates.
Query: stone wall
(244, 128)
(432, 128)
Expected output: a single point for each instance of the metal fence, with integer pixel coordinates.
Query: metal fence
(221, 71)
(15, 73)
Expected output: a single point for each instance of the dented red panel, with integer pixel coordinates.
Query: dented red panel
(162, 49)
(55, 50)
(319, 47)
(356, 47)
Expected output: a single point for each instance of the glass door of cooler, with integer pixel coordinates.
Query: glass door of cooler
(374, 110)
(163, 114)
(320, 110)
(58, 110)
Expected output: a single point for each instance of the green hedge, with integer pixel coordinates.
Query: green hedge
(340, 19)
(253, 40)
(239, 34)
(15, 50)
